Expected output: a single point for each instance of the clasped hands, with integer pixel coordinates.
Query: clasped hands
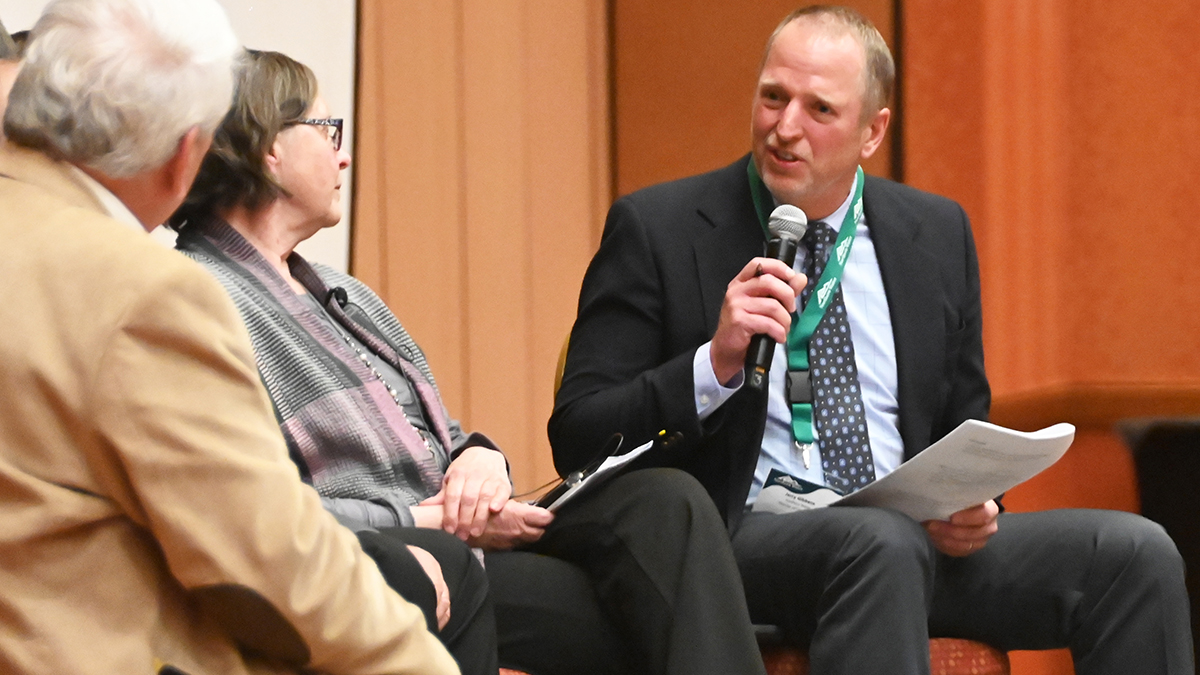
(475, 504)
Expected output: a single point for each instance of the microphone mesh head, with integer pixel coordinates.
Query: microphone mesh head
(787, 221)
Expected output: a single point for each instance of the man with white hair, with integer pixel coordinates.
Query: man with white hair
(150, 520)
(9, 56)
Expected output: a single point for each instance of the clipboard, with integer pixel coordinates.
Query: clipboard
(606, 465)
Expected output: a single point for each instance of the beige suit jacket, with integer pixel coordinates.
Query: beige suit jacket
(149, 514)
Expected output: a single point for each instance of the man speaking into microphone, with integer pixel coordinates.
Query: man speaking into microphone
(785, 228)
(877, 332)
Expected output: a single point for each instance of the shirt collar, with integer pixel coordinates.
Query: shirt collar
(834, 220)
(114, 207)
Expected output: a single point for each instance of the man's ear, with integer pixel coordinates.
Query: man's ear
(182, 167)
(874, 131)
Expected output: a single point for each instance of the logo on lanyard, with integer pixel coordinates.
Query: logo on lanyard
(825, 291)
(843, 250)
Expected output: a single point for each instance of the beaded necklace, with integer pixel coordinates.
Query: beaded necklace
(392, 391)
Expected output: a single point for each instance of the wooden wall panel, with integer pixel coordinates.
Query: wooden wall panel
(1068, 131)
(496, 274)
(483, 159)
(408, 243)
(1135, 128)
(684, 76)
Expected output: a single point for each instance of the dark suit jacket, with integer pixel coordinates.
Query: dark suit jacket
(653, 294)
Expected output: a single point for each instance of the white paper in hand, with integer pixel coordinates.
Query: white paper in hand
(970, 465)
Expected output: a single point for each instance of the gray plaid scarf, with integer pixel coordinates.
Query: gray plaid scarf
(343, 429)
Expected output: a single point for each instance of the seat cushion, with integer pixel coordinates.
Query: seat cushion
(947, 656)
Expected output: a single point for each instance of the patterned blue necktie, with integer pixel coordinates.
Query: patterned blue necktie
(838, 412)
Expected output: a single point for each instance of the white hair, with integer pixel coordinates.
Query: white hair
(114, 85)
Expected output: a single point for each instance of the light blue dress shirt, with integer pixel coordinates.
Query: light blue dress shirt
(874, 356)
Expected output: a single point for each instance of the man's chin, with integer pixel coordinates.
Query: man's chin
(787, 190)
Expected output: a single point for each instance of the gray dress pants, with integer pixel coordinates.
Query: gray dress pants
(863, 589)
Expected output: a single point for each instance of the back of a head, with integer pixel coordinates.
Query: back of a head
(114, 85)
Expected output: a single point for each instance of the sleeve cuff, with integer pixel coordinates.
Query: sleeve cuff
(474, 439)
(398, 509)
(711, 394)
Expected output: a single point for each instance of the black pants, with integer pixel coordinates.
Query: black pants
(470, 634)
(864, 589)
(658, 556)
(637, 577)
(548, 618)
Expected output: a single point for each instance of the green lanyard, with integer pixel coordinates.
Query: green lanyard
(804, 325)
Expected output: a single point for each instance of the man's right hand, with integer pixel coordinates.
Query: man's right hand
(759, 300)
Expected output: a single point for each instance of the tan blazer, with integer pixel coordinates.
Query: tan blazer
(149, 514)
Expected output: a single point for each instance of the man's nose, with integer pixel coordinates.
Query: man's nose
(791, 118)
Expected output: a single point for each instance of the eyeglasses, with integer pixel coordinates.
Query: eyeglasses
(334, 124)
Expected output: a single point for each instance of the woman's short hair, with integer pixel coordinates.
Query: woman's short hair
(9, 51)
(21, 40)
(272, 92)
(114, 85)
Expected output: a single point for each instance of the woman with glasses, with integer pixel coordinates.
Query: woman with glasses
(637, 576)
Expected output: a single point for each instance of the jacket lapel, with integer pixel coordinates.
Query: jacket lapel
(728, 239)
(732, 237)
(357, 323)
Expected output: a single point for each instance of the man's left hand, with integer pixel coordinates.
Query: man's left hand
(966, 531)
(476, 486)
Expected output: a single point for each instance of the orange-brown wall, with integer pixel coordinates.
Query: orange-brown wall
(482, 168)
(1068, 131)
(684, 73)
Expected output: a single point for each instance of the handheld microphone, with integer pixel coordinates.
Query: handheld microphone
(787, 225)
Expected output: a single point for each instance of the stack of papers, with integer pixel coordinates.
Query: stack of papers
(972, 464)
